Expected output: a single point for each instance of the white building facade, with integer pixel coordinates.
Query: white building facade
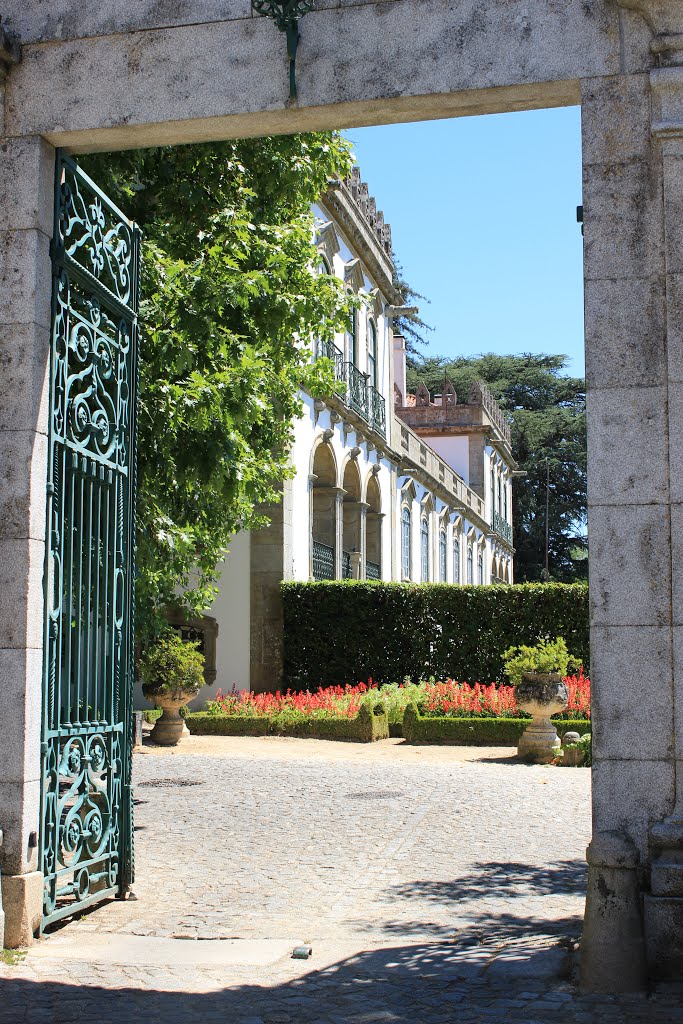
(387, 486)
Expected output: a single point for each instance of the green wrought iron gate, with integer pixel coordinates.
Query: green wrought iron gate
(86, 839)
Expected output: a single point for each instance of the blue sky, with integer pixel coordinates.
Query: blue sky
(483, 215)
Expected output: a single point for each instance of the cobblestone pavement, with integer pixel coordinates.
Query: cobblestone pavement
(433, 886)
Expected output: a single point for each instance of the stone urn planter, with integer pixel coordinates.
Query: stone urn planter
(170, 728)
(172, 673)
(540, 696)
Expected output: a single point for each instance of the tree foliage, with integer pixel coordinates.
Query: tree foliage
(230, 304)
(410, 325)
(547, 410)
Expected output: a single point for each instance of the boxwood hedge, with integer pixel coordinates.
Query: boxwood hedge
(370, 724)
(349, 631)
(475, 732)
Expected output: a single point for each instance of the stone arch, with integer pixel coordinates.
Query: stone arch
(352, 508)
(323, 511)
(373, 528)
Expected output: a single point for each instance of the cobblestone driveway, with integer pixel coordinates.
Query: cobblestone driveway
(432, 889)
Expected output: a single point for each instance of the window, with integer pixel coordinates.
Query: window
(372, 354)
(500, 497)
(405, 543)
(480, 569)
(493, 488)
(424, 548)
(456, 561)
(470, 564)
(351, 339)
(442, 556)
(505, 502)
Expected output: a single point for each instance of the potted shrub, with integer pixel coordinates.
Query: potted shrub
(537, 675)
(172, 671)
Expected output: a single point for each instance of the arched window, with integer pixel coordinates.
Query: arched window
(480, 569)
(456, 561)
(470, 564)
(442, 556)
(424, 548)
(493, 488)
(505, 502)
(372, 354)
(405, 543)
(500, 497)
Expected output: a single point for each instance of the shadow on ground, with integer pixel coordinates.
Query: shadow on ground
(428, 983)
(511, 881)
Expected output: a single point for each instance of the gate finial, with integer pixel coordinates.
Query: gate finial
(286, 14)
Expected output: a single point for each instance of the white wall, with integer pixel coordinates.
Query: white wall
(454, 451)
(231, 609)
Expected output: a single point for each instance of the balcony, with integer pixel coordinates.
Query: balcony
(373, 571)
(502, 527)
(323, 561)
(355, 393)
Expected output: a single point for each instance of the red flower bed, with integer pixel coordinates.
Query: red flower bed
(445, 699)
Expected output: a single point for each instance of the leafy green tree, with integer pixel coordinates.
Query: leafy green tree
(547, 411)
(231, 302)
(410, 325)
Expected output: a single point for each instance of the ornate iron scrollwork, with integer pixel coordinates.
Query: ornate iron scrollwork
(86, 829)
(286, 14)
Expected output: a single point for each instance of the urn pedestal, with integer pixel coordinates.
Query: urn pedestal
(170, 728)
(540, 696)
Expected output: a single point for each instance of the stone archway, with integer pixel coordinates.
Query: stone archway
(353, 514)
(86, 83)
(373, 529)
(324, 513)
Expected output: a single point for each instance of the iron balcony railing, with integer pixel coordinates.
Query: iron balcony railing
(323, 561)
(373, 571)
(378, 416)
(328, 350)
(355, 391)
(347, 572)
(502, 527)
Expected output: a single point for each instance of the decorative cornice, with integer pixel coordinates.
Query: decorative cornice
(665, 19)
(10, 52)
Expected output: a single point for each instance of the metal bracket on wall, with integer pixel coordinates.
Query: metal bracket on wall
(286, 14)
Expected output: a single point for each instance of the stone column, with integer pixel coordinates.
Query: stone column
(629, 499)
(26, 185)
(339, 493)
(664, 904)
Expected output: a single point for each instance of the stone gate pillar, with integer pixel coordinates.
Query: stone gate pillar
(26, 187)
(633, 206)
(664, 903)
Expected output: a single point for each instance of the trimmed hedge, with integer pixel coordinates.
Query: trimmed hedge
(350, 631)
(475, 732)
(370, 724)
(201, 723)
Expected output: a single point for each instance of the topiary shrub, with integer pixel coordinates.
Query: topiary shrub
(544, 658)
(172, 665)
